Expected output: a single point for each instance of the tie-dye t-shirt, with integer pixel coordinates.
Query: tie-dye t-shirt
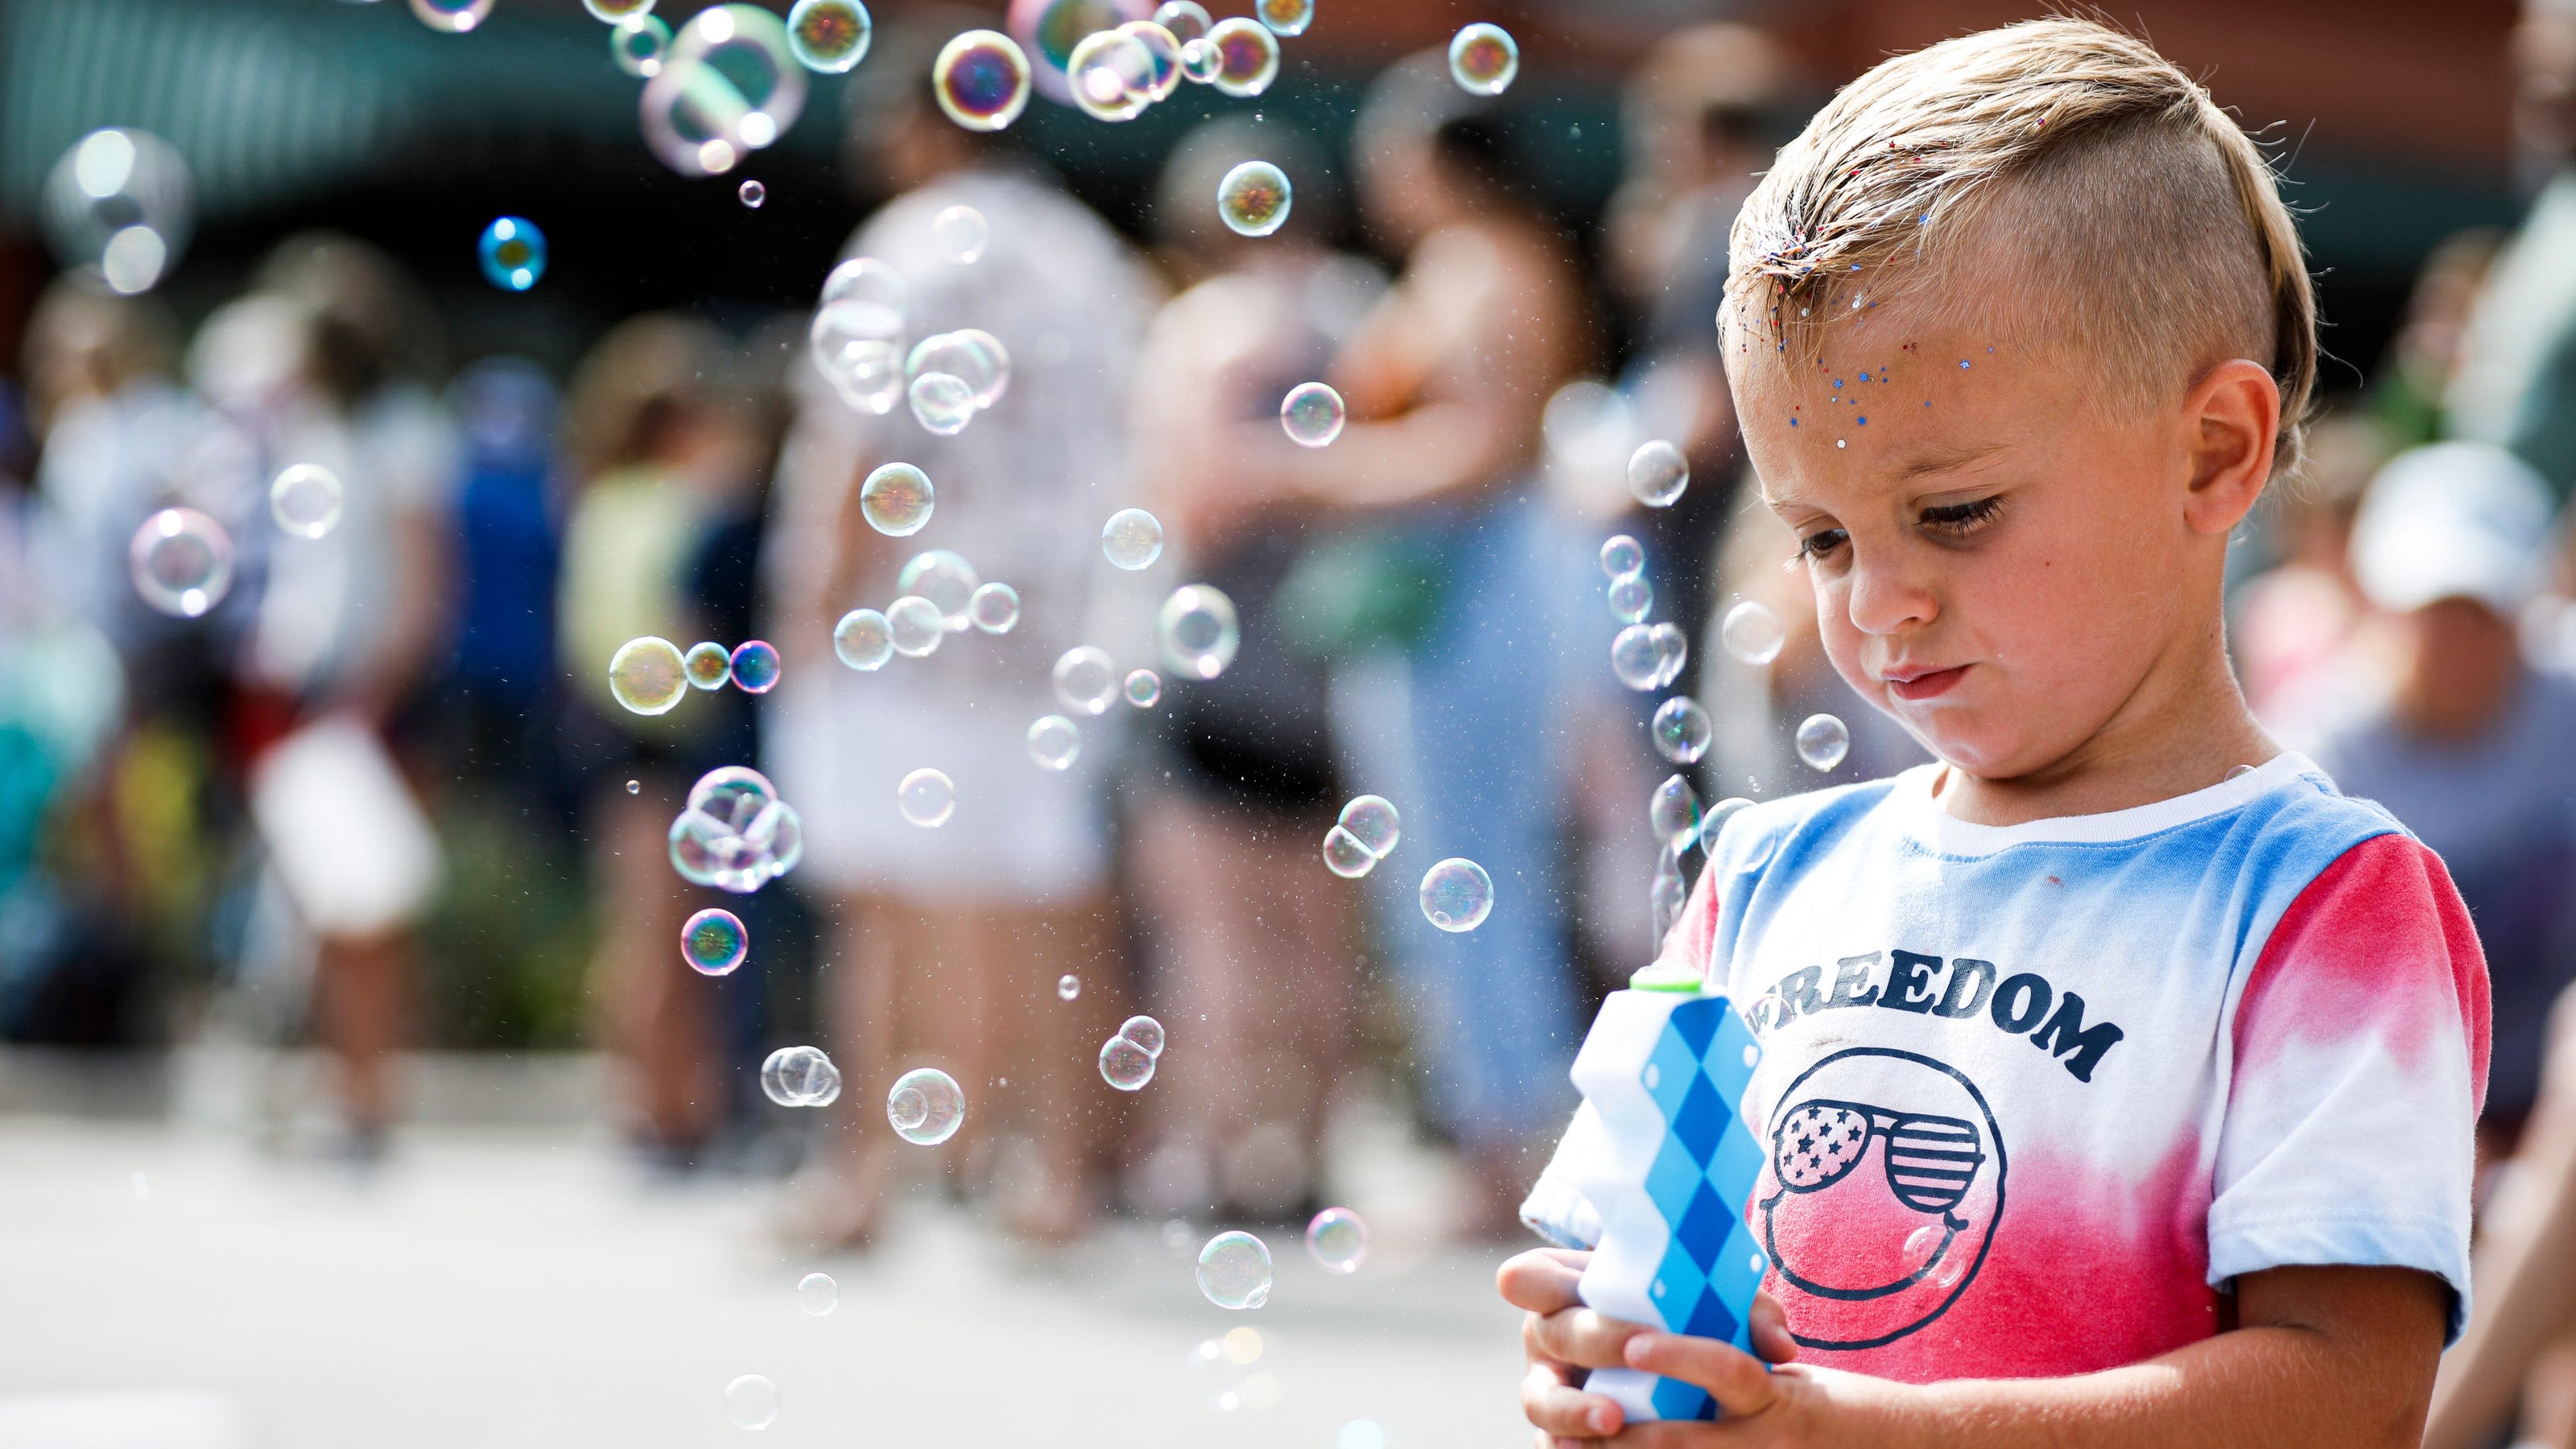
(2032, 1096)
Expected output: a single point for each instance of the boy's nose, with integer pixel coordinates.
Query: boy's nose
(1881, 601)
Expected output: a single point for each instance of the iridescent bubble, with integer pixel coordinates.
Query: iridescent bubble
(829, 36)
(1630, 596)
(729, 87)
(1483, 59)
(863, 640)
(1636, 657)
(1198, 630)
(1657, 473)
(1199, 60)
(1247, 56)
(856, 355)
(914, 626)
(947, 580)
(1346, 856)
(182, 562)
(1186, 19)
(1682, 730)
(454, 17)
(513, 253)
(1752, 632)
(1132, 539)
(897, 499)
(1672, 651)
(752, 194)
(1145, 1032)
(708, 664)
(305, 500)
(1253, 198)
(1457, 895)
(982, 80)
(1144, 688)
(994, 607)
(800, 1076)
(755, 666)
(1672, 812)
(1067, 987)
(925, 1106)
(875, 291)
(1337, 1240)
(751, 1402)
(942, 402)
(818, 1294)
(1086, 679)
(638, 43)
(1373, 819)
(613, 11)
(1054, 742)
(735, 833)
(1111, 75)
(647, 676)
(1165, 50)
(1234, 1267)
(1823, 740)
(1285, 17)
(118, 207)
(971, 355)
(1312, 414)
(714, 942)
(960, 234)
(1125, 1065)
(927, 798)
(634, 787)
(1622, 555)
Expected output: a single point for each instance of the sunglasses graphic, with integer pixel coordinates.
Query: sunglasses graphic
(1930, 1160)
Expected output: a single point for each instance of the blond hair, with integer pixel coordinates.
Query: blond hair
(2142, 225)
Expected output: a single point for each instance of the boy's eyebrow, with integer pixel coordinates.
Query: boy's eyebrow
(1947, 459)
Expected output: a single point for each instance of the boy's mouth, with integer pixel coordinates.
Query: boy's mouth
(1923, 684)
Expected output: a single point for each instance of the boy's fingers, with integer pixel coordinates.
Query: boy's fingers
(1739, 1382)
(1771, 1337)
(1580, 1336)
(1543, 1279)
(1556, 1408)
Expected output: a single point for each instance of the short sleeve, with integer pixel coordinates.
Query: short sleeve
(2360, 1060)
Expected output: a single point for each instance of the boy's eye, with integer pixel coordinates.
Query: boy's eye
(1960, 518)
(1820, 543)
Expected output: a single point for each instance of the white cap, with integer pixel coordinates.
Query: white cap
(2452, 521)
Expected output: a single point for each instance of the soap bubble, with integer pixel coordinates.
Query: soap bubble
(1483, 59)
(1457, 895)
(638, 43)
(960, 234)
(1622, 555)
(751, 1402)
(1752, 632)
(863, 640)
(1636, 657)
(1669, 894)
(942, 402)
(513, 253)
(118, 207)
(1086, 679)
(1111, 76)
(866, 372)
(1144, 688)
(1630, 596)
(646, 675)
(897, 499)
(800, 1076)
(925, 1106)
(1054, 742)
(1186, 19)
(634, 787)
(971, 355)
(1338, 1240)
(947, 580)
(927, 798)
(1823, 741)
(876, 294)
(1373, 819)
(454, 17)
(755, 666)
(1199, 60)
(1285, 17)
(1346, 856)
(182, 562)
(817, 1294)
(994, 607)
(1312, 413)
(1234, 1269)
(1132, 539)
(915, 626)
(735, 833)
(612, 11)
(1125, 1065)
(1672, 650)
(1067, 987)
(714, 942)
(1198, 630)
(752, 194)
(1164, 48)
(830, 36)
(708, 664)
(1253, 198)
(982, 80)
(1247, 57)
(1657, 474)
(1145, 1032)
(729, 87)
(1672, 812)
(1682, 729)
(305, 500)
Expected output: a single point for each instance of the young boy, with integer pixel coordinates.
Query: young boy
(2119, 1073)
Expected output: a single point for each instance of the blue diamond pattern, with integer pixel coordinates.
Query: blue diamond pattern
(1703, 1227)
(1683, 1283)
(1696, 1022)
(1674, 1399)
(1725, 1056)
(1737, 1161)
(1674, 1177)
(1702, 1119)
(1670, 1072)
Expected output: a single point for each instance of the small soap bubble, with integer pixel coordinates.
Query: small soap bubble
(1247, 56)
(1285, 17)
(960, 234)
(994, 607)
(1199, 60)
(714, 942)
(1636, 656)
(1657, 474)
(1312, 413)
(305, 500)
(1164, 48)
(1823, 740)
(1483, 59)
(1752, 632)
(513, 253)
(1373, 819)
(751, 1402)
(1125, 1065)
(1672, 650)
(1682, 730)
(647, 676)
(982, 80)
(638, 43)
(800, 1076)
(1234, 1270)
(874, 292)
(1132, 539)
(1086, 679)
(455, 17)
(1622, 555)
(897, 500)
(752, 194)
(927, 798)
(1054, 742)
(915, 626)
(1457, 895)
(1144, 688)
(1672, 812)
(947, 580)
(942, 402)
(181, 561)
(1111, 75)
(612, 11)
(1338, 1240)
(754, 666)
(1145, 1032)
(1630, 596)
(634, 787)
(1346, 856)
(1253, 198)
(971, 355)
(708, 663)
(818, 1294)
(1198, 630)
(925, 1106)
(1186, 19)
(1067, 987)
(829, 36)
(863, 640)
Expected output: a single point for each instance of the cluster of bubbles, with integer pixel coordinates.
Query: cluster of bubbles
(735, 833)
(181, 562)
(800, 1076)
(925, 1106)
(1457, 895)
(1127, 1058)
(1368, 828)
(714, 942)
(1644, 656)
(1337, 1240)
(513, 253)
(1234, 1270)
(651, 675)
(1312, 414)
(118, 208)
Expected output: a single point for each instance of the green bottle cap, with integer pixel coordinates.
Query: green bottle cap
(1665, 975)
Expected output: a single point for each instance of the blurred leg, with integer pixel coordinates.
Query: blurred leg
(361, 987)
(1047, 1048)
(655, 1012)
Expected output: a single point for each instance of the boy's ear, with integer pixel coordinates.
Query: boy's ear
(2233, 414)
